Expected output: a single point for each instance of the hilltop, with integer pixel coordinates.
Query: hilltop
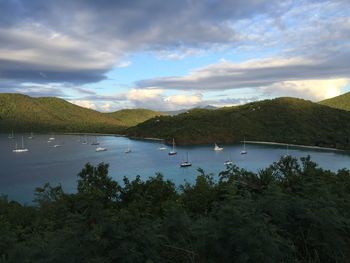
(285, 120)
(341, 102)
(23, 113)
(132, 117)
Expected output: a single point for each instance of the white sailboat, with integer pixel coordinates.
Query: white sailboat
(173, 152)
(51, 139)
(101, 149)
(287, 154)
(162, 147)
(128, 150)
(186, 163)
(244, 151)
(31, 136)
(11, 135)
(217, 148)
(229, 161)
(22, 149)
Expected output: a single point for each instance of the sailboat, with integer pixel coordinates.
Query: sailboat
(173, 152)
(186, 163)
(85, 140)
(286, 155)
(229, 161)
(217, 148)
(162, 147)
(95, 142)
(11, 136)
(22, 149)
(101, 149)
(244, 151)
(31, 136)
(128, 150)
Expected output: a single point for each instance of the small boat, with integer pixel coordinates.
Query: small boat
(217, 148)
(31, 136)
(162, 147)
(229, 161)
(186, 163)
(173, 152)
(244, 151)
(84, 141)
(22, 149)
(11, 136)
(287, 154)
(95, 142)
(128, 150)
(101, 149)
(57, 145)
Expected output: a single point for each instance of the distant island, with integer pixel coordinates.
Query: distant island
(281, 120)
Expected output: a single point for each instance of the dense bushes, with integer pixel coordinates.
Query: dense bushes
(292, 211)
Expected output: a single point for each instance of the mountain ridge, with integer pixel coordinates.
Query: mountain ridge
(284, 120)
(24, 113)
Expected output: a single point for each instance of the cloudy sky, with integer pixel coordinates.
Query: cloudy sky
(168, 55)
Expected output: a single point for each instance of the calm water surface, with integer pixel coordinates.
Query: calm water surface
(20, 173)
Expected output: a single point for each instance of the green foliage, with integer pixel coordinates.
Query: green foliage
(23, 113)
(292, 211)
(284, 120)
(341, 102)
(132, 117)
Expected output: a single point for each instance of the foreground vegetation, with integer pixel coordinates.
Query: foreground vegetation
(283, 120)
(289, 212)
(48, 114)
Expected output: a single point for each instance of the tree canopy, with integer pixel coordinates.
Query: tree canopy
(291, 211)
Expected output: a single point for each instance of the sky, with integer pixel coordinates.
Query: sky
(170, 55)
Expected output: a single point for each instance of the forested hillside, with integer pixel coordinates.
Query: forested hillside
(23, 113)
(340, 102)
(285, 120)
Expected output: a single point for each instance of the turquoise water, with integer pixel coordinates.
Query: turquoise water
(20, 173)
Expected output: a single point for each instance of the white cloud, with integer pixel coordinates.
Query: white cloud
(84, 103)
(310, 89)
(184, 100)
(144, 94)
(106, 107)
(123, 64)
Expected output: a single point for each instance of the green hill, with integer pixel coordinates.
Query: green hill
(132, 117)
(287, 120)
(23, 113)
(340, 102)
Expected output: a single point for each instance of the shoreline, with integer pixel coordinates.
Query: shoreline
(159, 139)
(295, 145)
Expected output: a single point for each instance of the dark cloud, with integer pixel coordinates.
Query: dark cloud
(259, 73)
(47, 37)
(78, 42)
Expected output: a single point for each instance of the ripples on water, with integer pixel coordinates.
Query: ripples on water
(21, 172)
